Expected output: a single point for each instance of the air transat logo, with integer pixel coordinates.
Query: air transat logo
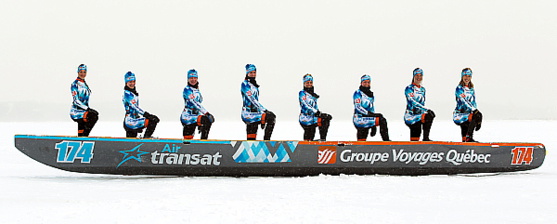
(262, 152)
(134, 154)
(327, 155)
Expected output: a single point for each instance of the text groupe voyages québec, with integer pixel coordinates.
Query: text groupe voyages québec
(422, 158)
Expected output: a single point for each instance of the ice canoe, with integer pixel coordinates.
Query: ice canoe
(127, 156)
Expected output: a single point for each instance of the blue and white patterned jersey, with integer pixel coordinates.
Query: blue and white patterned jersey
(80, 93)
(363, 106)
(465, 104)
(133, 117)
(308, 108)
(415, 104)
(252, 110)
(193, 107)
(131, 104)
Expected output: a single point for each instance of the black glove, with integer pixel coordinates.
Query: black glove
(325, 116)
(318, 114)
(147, 115)
(151, 117)
(92, 111)
(370, 114)
(270, 116)
(210, 117)
(155, 119)
(430, 112)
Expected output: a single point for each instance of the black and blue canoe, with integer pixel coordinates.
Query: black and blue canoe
(127, 156)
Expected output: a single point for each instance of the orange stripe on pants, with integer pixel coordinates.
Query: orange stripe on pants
(198, 120)
(263, 118)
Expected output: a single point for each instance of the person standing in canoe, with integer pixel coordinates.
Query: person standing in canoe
(466, 114)
(136, 119)
(310, 115)
(417, 115)
(85, 116)
(194, 114)
(253, 113)
(365, 117)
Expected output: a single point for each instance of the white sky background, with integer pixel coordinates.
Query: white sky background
(510, 45)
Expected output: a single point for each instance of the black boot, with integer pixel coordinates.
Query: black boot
(269, 131)
(427, 128)
(428, 121)
(151, 128)
(470, 138)
(206, 123)
(324, 129)
(270, 120)
(384, 129)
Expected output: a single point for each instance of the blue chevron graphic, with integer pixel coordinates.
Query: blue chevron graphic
(258, 151)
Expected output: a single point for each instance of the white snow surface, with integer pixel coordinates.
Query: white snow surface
(31, 192)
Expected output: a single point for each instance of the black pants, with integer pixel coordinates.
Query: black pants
(416, 129)
(467, 128)
(204, 126)
(268, 124)
(151, 125)
(86, 124)
(362, 133)
(465, 131)
(322, 124)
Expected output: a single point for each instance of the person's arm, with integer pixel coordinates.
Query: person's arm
(246, 91)
(357, 98)
(460, 96)
(305, 106)
(409, 93)
(130, 98)
(189, 96)
(76, 93)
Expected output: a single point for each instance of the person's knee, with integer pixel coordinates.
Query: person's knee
(270, 117)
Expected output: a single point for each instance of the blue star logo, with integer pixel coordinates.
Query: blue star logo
(134, 153)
